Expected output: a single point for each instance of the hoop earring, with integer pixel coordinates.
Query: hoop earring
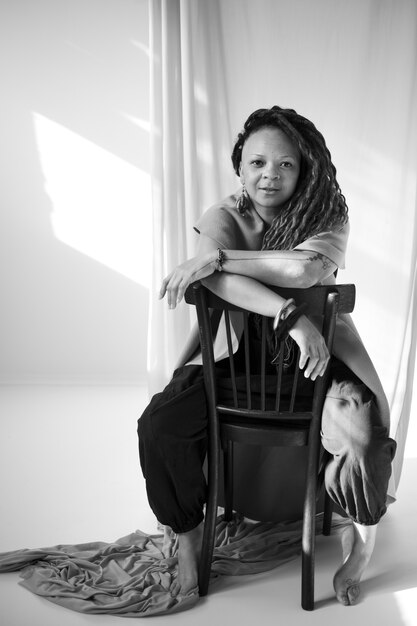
(243, 202)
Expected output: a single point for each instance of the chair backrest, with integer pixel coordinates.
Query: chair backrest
(250, 389)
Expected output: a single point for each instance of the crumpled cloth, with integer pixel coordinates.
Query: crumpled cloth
(132, 576)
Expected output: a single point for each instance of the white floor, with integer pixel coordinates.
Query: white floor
(69, 473)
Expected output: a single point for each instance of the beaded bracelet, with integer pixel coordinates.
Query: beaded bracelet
(281, 311)
(221, 259)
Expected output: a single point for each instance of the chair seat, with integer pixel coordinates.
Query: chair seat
(261, 433)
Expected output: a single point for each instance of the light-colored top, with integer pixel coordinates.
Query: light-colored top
(231, 230)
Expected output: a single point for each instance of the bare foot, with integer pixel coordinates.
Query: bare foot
(189, 548)
(357, 545)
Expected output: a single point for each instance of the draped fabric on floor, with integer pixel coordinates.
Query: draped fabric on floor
(348, 66)
(132, 576)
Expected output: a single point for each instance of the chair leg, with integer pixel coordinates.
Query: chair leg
(209, 533)
(327, 515)
(207, 547)
(309, 520)
(308, 550)
(228, 481)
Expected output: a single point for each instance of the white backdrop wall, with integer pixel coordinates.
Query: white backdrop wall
(75, 191)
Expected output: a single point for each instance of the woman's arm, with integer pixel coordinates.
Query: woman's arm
(256, 297)
(248, 293)
(282, 268)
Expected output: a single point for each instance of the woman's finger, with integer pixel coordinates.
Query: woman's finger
(172, 296)
(164, 285)
(308, 359)
(304, 356)
(178, 287)
(325, 362)
(181, 289)
(321, 364)
(324, 358)
(313, 359)
(171, 290)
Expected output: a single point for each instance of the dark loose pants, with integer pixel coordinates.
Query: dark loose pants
(173, 441)
(172, 446)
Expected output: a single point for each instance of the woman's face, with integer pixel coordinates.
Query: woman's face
(269, 169)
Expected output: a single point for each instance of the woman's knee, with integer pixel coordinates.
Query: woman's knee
(175, 418)
(143, 427)
(149, 426)
(350, 418)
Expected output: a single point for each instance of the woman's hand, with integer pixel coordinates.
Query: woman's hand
(183, 275)
(313, 350)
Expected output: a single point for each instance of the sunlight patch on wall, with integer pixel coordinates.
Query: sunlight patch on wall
(143, 47)
(143, 124)
(101, 204)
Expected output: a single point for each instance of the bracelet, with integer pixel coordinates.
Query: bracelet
(221, 259)
(281, 311)
(282, 332)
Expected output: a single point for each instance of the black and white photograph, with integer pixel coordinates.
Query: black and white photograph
(209, 312)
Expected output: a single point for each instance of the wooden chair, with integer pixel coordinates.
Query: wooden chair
(254, 421)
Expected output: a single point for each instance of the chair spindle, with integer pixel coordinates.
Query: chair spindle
(231, 359)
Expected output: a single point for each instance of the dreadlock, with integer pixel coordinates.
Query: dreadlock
(317, 204)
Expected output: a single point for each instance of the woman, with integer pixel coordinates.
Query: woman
(288, 226)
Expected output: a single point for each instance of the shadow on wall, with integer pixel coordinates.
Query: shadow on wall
(76, 192)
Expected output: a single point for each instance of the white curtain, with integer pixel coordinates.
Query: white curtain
(190, 139)
(351, 68)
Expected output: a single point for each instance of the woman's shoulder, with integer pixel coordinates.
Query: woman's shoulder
(339, 229)
(224, 223)
(224, 209)
(227, 212)
(343, 228)
(337, 232)
(331, 243)
(219, 215)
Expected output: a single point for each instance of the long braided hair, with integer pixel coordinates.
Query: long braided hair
(317, 204)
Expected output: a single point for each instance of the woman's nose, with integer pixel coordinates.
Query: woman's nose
(271, 172)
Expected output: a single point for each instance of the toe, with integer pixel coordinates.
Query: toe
(342, 598)
(353, 593)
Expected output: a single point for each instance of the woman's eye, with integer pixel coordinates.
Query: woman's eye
(257, 163)
(286, 164)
